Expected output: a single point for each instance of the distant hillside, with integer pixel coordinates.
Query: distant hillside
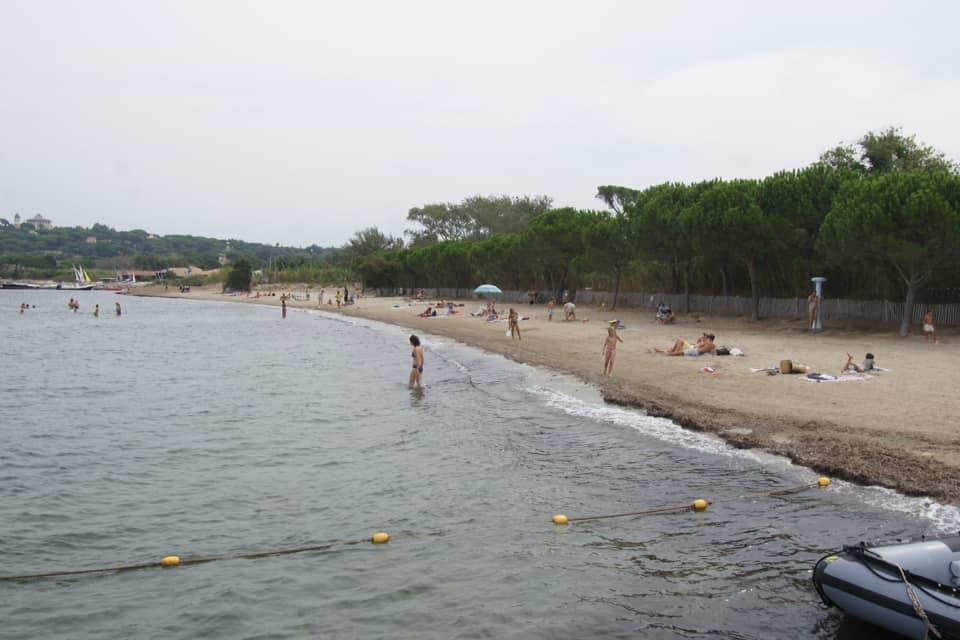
(101, 241)
(106, 247)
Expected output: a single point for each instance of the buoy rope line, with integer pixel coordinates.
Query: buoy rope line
(647, 512)
(380, 538)
(176, 561)
(696, 505)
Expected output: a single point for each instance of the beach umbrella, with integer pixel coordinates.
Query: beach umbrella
(487, 288)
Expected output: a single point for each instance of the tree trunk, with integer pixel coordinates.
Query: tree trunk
(907, 318)
(675, 275)
(754, 288)
(616, 289)
(723, 280)
(686, 289)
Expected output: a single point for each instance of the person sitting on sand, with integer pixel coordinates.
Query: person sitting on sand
(868, 364)
(705, 345)
(665, 314)
(428, 312)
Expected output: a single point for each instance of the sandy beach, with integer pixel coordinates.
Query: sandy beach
(897, 428)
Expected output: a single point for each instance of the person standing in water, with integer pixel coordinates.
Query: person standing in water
(117, 308)
(416, 374)
(283, 305)
(96, 311)
(610, 348)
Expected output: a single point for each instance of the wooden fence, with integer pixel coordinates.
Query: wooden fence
(880, 311)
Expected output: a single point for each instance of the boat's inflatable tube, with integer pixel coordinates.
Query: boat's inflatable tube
(866, 583)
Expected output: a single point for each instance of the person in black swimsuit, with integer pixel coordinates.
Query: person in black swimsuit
(416, 374)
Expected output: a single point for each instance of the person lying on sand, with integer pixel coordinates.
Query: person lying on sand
(705, 344)
(868, 364)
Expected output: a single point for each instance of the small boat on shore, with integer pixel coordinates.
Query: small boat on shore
(29, 285)
(905, 588)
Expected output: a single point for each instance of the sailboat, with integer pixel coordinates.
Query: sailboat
(83, 280)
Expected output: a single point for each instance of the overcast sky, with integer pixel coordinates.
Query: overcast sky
(303, 122)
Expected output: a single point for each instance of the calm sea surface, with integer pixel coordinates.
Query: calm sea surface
(213, 429)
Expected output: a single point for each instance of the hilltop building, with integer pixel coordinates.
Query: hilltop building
(38, 221)
(223, 259)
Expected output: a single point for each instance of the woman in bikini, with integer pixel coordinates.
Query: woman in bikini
(514, 323)
(416, 374)
(610, 349)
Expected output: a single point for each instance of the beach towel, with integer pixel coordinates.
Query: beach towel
(848, 376)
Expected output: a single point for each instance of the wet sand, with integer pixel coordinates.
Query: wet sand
(899, 428)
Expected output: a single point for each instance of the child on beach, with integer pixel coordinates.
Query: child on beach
(928, 329)
(610, 348)
(868, 364)
(550, 306)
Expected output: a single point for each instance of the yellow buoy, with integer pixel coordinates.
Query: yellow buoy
(560, 519)
(170, 561)
(823, 482)
(380, 538)
(700, 505)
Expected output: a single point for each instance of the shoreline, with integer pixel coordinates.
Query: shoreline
(892, 431)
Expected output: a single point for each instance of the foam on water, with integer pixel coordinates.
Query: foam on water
(660, 428)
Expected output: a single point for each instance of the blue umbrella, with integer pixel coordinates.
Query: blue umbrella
(487, 288)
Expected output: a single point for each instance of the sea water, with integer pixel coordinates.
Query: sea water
(212, 430)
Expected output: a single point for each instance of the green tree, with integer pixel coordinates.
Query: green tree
(617, 198)
(909, 220)
(610, 246)
(381, 270)
(663, 232)
(440, 222)
(456, 260)
(370, 240)
(728, 215)
(476, 218)
(801, 200)
(887, 151)
(554, 240)
(240, 276)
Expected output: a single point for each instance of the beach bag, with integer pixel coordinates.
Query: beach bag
(723, 351)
